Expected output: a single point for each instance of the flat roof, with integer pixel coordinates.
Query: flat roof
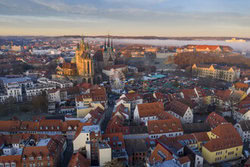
(11, 80)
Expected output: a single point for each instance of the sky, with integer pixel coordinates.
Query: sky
(169, 18)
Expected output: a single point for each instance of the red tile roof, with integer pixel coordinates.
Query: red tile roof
(241, 85)
(133, 96)
(150, 109)
(177, 107)
(228, 138)
(10, 126)
(164, 126)
(79, 160)
(12, 158)
(160, 154)
(113, 139)
(214, 120)
(223, 94)
(184, 159)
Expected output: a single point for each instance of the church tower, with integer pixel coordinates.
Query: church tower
(108, 54)
(84, 62)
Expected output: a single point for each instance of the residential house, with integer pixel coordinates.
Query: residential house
(225, 144)
(213, 120)
(85, 134)
(132, 98)
(159, 155)
(169, 128)
(78, 159)
(137, 151)
(121, 111)
(148, 111)
(180, 111)
(117, 144)
(243, 127)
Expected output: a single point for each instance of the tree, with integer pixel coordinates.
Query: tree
(40, 102)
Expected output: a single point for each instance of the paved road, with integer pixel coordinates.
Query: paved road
(107, 117)
(67, 154)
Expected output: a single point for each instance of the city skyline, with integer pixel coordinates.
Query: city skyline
(171, 18)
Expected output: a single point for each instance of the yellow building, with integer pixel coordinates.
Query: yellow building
(229, 74)
(83, 111)
(81, 66)
(225, 144)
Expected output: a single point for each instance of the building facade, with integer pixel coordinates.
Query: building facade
(229, 74)
(81, 66)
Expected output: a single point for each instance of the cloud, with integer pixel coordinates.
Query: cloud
(149, 16)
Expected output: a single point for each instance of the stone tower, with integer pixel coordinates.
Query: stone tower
(84, 62)
(108, 54)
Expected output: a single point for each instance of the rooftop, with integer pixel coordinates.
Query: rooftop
(92, 128)
(43, 142)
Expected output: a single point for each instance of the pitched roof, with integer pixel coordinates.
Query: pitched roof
(150, 109)
(184, 159)
(165, 115)
(201, 136)
(96, 115)
(226, 130)
(223, 94)
(78, 160)
(241, 85)
(135, 146)
(178, 107)
(164, 126)
(11, 158)
(10, 125)
(133, 96)
(113, 139)
(160, 154)
(245, 125)
(222, 143)
(214, 120)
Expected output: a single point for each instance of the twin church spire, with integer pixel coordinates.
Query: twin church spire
(108, 43)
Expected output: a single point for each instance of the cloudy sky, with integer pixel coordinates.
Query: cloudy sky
(126, 17)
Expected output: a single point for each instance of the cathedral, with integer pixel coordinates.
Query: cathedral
(81, 67)
(104, 58)
(108, 53)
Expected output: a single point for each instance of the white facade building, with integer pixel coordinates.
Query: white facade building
(84, 136)
(243, 127)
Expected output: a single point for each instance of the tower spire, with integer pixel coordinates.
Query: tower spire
(105, 44)
(108, 41)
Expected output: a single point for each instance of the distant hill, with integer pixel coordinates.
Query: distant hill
(129, 37)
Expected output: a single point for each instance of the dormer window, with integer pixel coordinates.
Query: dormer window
(52, 127)
(13, 164)
(58, 127)
(41, 127)
(46, 127)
